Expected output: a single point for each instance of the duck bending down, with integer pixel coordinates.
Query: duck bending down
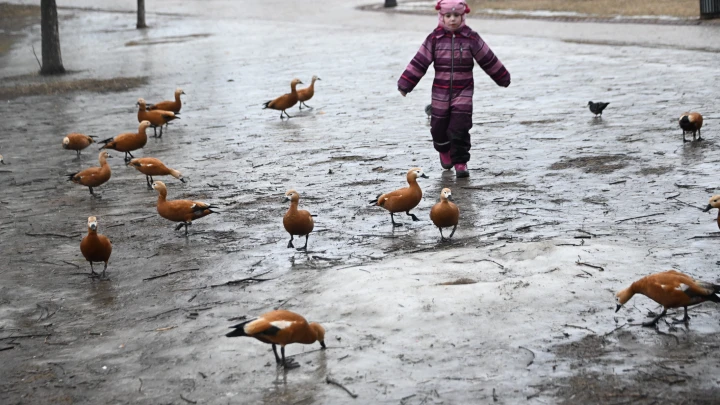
(169, 105)
(297, 222)
(445, 213)
(282, 328)
(183, 211)
(128, 142)
(93, 176)
(691, 122)
(671, 289)
(404, 199)
(157, 118)
(285, 101)
(95, 247)
(77, 142)
(307, 93)
(153, 167)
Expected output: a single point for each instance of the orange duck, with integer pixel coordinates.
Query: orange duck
(95, 247)
(168, 105)
(714, 203)
(671, 289)
(404, 199)
(93, 176)
(307, 93)
(445, 213)
(128, 142)
(157, 118)
(282, 328)
(691, 122)
(183, 211)
(77, 142)
(286, 100)
(153, 167)
(297, 222)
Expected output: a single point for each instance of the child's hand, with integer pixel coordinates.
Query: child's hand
(403, 93)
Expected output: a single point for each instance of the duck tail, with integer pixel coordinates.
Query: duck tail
(713, 298)
(375, 201)
(239, 329)
(266, 104)
(70, 176)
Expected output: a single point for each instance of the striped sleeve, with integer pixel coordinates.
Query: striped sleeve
(418, 66)
(490, 63)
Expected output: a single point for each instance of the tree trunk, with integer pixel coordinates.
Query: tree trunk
(141, 15)
(390, 3)
(51, 57)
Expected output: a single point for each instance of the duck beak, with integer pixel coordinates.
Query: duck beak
(182, 179)
(424, 176)
(319, 78)
(450, 198)
(93, 227)
(322, 344)
(618, 308)
(285, 199)
(708, 208)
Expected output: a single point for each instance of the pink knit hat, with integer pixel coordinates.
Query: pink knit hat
(451, 6)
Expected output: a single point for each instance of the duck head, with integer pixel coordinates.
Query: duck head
(291, 195)
(92, 224)
(159, 186)
(178, 92)
(141, 103)
(66, 142)
(319, 332)
(416, 172)
(622, 297)
(295, 82)
(103, 157)
(446, 194)
(315, 78)
(143, 125)
(714, 203)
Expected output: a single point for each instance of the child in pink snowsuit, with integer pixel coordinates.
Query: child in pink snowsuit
(452, 46)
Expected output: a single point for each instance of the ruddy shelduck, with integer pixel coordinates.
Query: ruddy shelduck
(404, 199)
(691, 122)
(671, 289)
(128, 142)
(168, 105)
(93, 176)
(157, 118)
(445, 213)
(77, 142)
(714, 203)
(1, 160)
(153, 167)
(297, 222)
(307, 93)
(285, 101)
(183, 211)
(95, 247)
(282, 328)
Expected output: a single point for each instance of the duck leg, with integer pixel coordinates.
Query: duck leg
(442, 237)
(685, 319)
(186, 227)
(306, 105)
(92, 271)
(412, 215)
(684, 140)
(160, 131)
(288, 364)
(147, 180)
(656, 319)
(154, 131)
(301, 103)
(286, 114)
(277, 358)
(78, 153)
(290, 244)
(453, 232)
(104, 268)
(699, 135)
(306, 240)
(392, 219)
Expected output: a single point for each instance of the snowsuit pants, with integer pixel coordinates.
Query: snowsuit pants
(451, 122)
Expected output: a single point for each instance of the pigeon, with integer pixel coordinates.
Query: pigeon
(597, 108)
(428, 110)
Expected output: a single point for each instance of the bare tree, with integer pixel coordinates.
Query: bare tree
(141, 15)
(51, 57)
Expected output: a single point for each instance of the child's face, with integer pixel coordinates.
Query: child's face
(452, 21)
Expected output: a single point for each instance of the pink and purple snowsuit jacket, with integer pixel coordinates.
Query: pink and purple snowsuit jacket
(453, 57)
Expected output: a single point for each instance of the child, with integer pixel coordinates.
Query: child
(452, 47)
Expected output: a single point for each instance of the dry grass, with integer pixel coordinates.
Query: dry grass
(14, 11)
(53, 87)
(601, 8)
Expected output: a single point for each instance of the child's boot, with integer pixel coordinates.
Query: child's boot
(445, 160)
(461, 170)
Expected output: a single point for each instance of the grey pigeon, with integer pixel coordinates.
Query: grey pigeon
(597, 108)
(428, 110)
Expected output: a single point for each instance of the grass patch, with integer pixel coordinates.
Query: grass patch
(54, 87)
(600, 8)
